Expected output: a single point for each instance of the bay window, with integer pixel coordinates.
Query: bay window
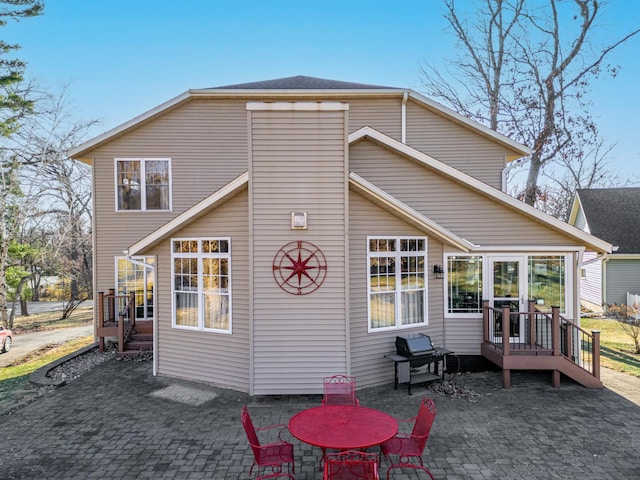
(397, 287)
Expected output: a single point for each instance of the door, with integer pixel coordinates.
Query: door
(137, 274)
(507, 288)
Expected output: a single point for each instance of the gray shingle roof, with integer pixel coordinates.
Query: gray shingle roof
(301, 82)
(613, 214)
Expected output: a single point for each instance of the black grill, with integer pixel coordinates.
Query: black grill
(412, 346)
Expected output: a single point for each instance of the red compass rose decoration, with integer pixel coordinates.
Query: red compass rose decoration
(299, 268)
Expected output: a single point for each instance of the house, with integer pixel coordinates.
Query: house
(280, 231)
(612, 214)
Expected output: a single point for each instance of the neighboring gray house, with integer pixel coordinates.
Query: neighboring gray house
(277, 232)
(612, 214)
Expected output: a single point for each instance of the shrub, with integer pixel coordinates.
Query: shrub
(629, 320)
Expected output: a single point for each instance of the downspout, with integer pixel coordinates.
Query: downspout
(510, 166)
(155, 311)
(405, 97)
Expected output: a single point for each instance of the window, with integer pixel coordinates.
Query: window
(202, 284)
(143, 184)
(547, 282)
(464, 284)
(135, 276)
(397, 282)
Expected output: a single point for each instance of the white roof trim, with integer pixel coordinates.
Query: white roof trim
(189, 215)
(421, 221)
(481, 187)
(78, 151)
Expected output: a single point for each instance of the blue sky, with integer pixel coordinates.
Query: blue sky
(124, 57)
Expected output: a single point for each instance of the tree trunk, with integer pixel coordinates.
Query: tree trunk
(23, 307)
(531, 189)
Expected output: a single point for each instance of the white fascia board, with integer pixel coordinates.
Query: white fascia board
(410, 214)
(189, 215)
(80, 150)
(460, 177)
(472, 124)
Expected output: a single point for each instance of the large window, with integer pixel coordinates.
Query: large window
(202, 284)
(143, 184)
(137, 274)
(397, 282)
(547, 282)
(464, 284)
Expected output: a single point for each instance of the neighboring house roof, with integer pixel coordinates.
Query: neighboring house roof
(387, 201)
(612, 214)
(303, 87)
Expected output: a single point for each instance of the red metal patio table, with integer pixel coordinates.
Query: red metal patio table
(343, 427)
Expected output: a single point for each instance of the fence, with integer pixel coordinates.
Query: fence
(634, 301)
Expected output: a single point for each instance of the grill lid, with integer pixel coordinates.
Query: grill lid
(413, 345)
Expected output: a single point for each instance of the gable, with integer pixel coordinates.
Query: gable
(480, 214)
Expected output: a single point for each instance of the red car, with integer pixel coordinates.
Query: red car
(5, 339)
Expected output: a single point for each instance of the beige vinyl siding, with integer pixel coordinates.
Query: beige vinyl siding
(466, 213)
(455, 145)
(298, 164)
(622, 276)
(207, 144)
(368, 349)
(385, 115)
(207, 356)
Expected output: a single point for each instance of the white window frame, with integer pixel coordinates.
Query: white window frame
(525, 255)
(398, 291)
(143, 189)
(140, 259)
(200, 292)
(447, 256)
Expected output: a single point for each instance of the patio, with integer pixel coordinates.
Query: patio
(146, 427)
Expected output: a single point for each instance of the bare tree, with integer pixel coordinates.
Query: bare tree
(524, 70)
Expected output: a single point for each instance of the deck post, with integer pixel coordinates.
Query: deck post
(555, 341)
(555, 330)
(506, 327)
(596, 353)
(532, 323)
(101, 319)
(112, 305)
(485, 321)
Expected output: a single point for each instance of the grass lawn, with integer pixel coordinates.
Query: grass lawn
(20, 371)
(616, 347)
(47, 321)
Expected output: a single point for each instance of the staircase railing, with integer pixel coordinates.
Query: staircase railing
(117, 311)
(541, 333)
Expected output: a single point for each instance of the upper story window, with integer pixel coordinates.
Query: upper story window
(397, 284)
(143, 184)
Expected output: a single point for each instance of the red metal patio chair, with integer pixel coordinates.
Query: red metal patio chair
(273, 455)
(411, 446)
(339, 390)
(351, 465)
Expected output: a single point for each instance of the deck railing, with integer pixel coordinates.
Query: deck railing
(116, 311)
(541, 333)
